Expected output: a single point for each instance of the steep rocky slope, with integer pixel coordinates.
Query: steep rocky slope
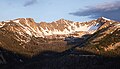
(106, 41)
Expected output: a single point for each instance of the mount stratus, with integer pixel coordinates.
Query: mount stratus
(25, 36)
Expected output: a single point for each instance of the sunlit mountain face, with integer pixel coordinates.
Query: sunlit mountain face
(62, 27)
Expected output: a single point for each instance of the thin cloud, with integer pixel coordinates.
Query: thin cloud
(30, 2)
(109, 10)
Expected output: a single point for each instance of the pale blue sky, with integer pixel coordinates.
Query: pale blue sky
(46, 10)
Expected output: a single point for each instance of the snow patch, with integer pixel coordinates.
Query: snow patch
(105, 18)
(16, 21)
(7, 21)
(94, 27)
(2, 24)
(118, 24)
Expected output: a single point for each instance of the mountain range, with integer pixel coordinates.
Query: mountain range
(60, 27)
